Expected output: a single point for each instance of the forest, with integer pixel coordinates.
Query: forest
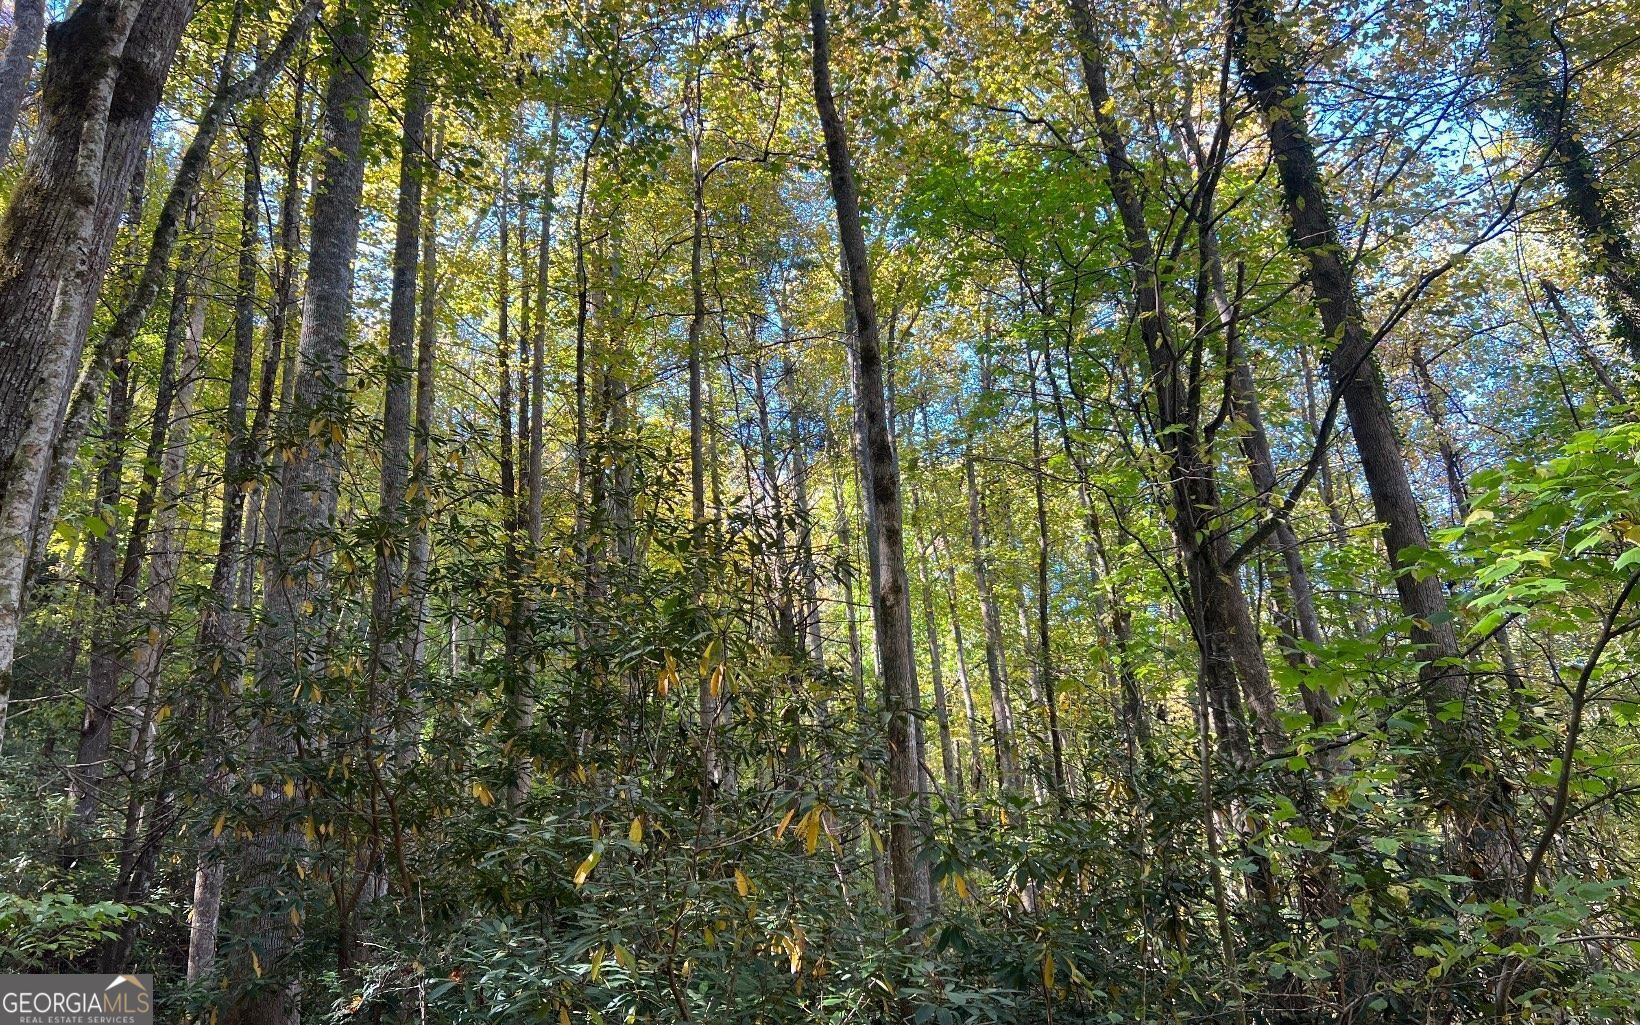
(911, 512)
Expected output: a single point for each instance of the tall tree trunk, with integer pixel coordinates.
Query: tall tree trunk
(996, 666)
(512, 624)
(891, 604)
(1220, 617)
(298, 572)
(707, 694)
(28, 26)
(1044, 645)
(420, 555)
(1261, 51)
(219, 648)
(57, 232)
(1352, 365)
(392, 633)
(950, 761)
(108, 648)
(1297, 614)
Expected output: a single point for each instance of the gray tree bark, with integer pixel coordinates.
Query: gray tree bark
(299, 561)
(105, 67)
(913, 889)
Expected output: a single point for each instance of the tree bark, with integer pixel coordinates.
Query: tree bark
(297, 577)
(891, 604)
(1353, 368)
(1261, 51)
(996, 665)
(106, 65)
(391, 630)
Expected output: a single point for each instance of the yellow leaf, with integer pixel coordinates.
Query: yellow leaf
(309, 829)
(563, 1015)
(483, 794)
(583, 870)
(256, 964)
(961, 886)
(290, 789)
(635, 833)
(295, 917)
(742, 883)
(715, 686)
(780, 831)
(221, 821)
(625, 958)
(1047, 970)
(811, 830)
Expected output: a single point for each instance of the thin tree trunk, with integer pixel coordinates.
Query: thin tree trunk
(517, 685)
(1044, 645)
(392, 632)
(996, 667)
(950, 761)
(976, 764)
(421, 481)
(913, 888)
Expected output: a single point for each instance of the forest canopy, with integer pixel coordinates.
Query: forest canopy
(923, 512)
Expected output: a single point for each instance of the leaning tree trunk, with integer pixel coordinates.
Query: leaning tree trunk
(1261, 51)
(298, 571)
(913, 889)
